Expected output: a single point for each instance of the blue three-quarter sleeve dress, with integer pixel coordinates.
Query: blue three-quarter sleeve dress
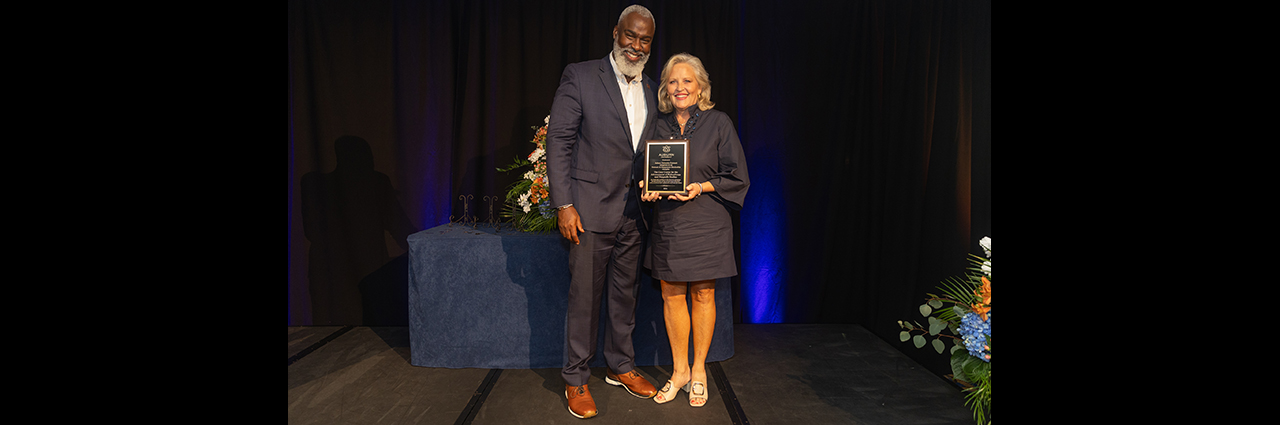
(693, 240)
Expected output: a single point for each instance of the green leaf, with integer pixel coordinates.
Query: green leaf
(517, 164)
(938, 345)
(904, 336)
(936, 326)
(918, 340)
(976, 368)
(957, 360)
(925, 310)
(935, 303)
(960, 290)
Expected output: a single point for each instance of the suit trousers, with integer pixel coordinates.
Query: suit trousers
(602, 265)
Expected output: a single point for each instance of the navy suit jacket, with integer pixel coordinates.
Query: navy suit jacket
(590, 161)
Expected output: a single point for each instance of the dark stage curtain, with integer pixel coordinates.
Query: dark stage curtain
(876, 118)
(866, 126)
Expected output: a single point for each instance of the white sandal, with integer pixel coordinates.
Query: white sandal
(659, 398)
(695, 394)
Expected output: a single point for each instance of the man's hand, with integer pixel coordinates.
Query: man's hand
(570, 224)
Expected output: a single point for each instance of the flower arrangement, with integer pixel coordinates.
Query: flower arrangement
(528, 201)
(969, 322)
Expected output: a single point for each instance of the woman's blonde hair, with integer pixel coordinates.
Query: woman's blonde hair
(700, 73)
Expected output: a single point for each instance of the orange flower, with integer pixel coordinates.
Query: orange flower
(986, 291)
(985, 294)
(981, 310)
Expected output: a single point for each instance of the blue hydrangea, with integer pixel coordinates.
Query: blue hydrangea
(974, 331)
(545, 208)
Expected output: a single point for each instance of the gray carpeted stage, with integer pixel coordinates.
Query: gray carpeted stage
(779, 374)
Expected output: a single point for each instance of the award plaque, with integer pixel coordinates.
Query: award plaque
(666, 169)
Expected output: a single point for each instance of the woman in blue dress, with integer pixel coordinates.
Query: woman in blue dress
(691, 243)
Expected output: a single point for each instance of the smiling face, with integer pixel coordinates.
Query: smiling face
(682, 86)
(631, 42)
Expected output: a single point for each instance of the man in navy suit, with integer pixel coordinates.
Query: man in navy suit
(600, 118)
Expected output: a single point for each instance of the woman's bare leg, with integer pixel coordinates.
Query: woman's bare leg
(703, 294)
(675, 312)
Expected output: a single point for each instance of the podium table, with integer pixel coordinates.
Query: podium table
(483, 297)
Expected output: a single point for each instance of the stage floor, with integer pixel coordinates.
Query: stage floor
(779, 374)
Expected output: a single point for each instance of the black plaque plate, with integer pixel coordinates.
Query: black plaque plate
(666, 169)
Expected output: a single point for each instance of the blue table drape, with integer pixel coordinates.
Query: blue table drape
(482, 297)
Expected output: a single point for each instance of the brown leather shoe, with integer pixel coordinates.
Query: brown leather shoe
(633, 382)
(580, 402)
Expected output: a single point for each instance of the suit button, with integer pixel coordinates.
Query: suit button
(628, 185)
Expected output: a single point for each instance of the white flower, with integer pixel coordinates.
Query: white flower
(986, 245)
(530, 175)
(524, 202)
(986, 267)
(536, 155)
(547, 120)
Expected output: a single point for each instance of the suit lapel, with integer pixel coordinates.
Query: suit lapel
(610, 81)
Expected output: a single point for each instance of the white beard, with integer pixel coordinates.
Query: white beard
(625, 66)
